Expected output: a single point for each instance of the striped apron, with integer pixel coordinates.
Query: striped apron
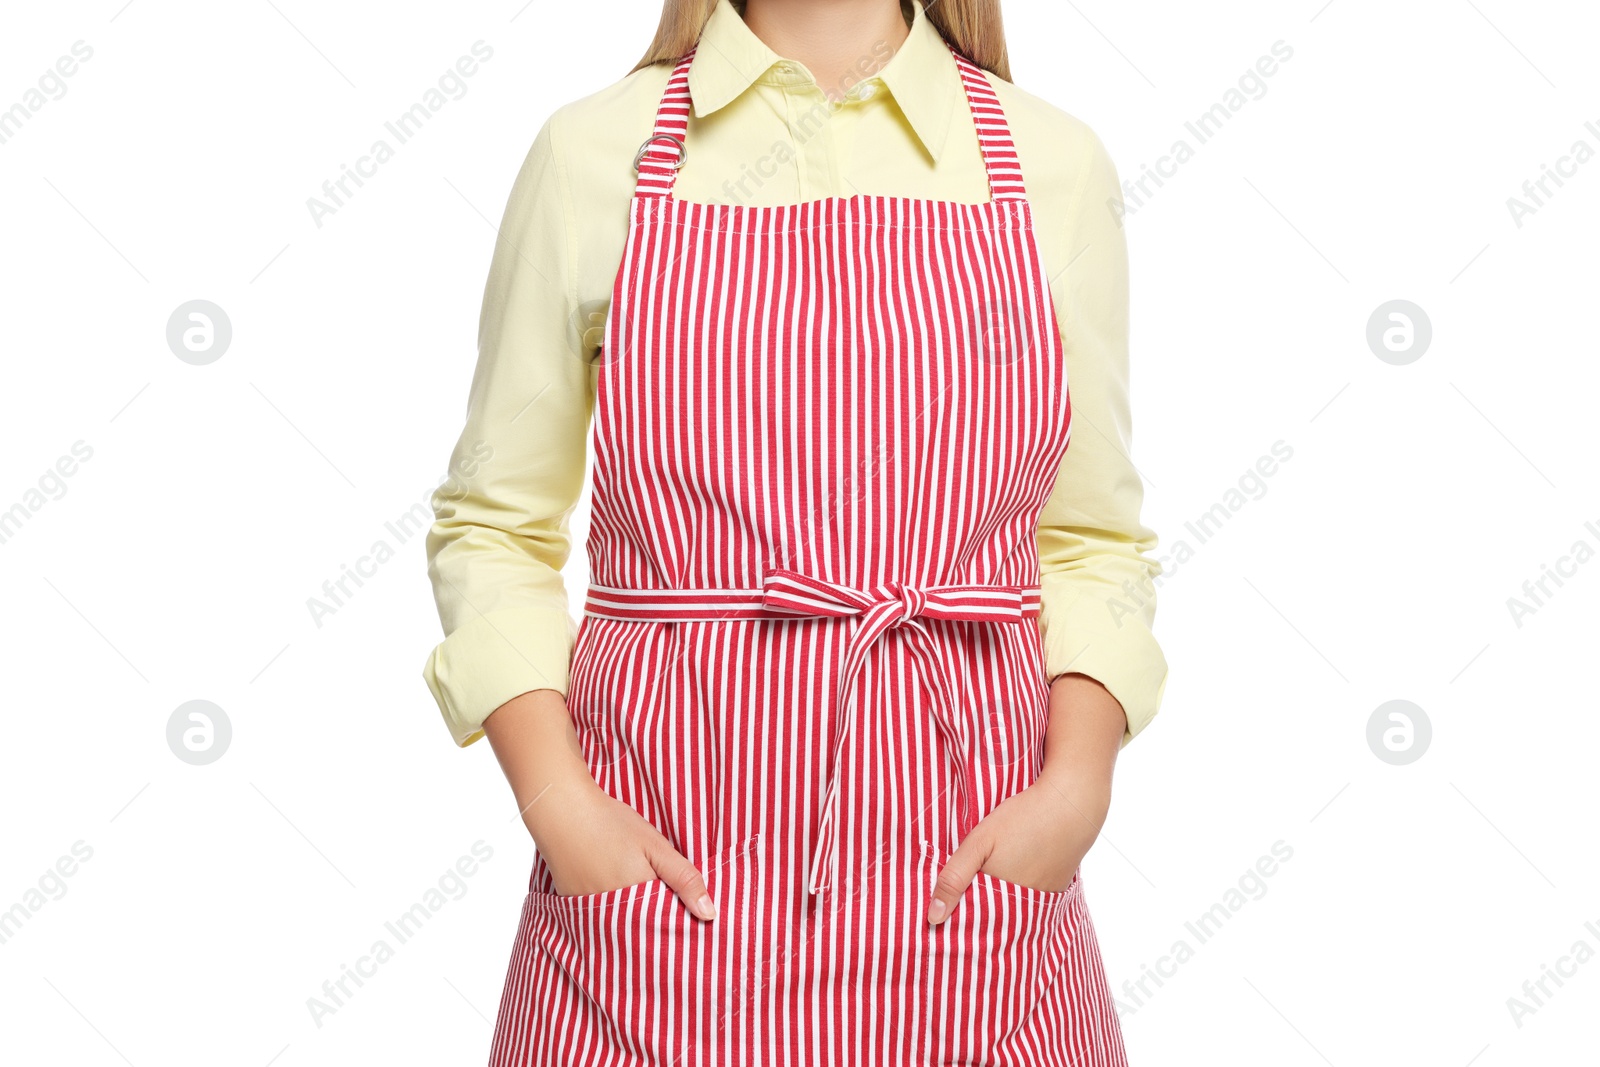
(823, 436)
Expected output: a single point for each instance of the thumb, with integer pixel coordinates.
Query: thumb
(682, 877)
(956, 875)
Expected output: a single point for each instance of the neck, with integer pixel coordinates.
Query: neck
(839, 41)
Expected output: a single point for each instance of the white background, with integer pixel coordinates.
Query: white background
(1377, 564)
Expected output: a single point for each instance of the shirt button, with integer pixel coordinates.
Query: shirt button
(864, 92)
(784, 68)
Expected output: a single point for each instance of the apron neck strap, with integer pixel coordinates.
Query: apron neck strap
(665, 151)
(660, 157)
(994, 134)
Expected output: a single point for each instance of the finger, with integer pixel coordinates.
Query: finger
(683, 877)
(955, 876)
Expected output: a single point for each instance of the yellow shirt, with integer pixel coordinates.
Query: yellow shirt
(764, 133)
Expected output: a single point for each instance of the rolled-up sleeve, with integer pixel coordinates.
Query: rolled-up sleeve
(500, 535)
(1095, 555)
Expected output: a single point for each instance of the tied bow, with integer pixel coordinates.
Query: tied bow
(909, 609)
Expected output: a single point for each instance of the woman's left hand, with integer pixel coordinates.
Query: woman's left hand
(1038, 837)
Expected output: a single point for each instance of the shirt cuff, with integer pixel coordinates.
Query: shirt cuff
(493, 658)
(1081, 637)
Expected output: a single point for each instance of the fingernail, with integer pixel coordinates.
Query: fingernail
(936, 911)
(705, 909)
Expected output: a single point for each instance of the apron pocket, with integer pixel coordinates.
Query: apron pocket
(1026, 894)
(992, 962)
(636, 966)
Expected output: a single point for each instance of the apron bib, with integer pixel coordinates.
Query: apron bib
(823, 436)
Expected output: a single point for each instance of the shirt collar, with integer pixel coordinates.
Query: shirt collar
(921, 76)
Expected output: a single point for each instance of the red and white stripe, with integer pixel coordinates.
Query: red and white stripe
(823, 436)
(787, 594)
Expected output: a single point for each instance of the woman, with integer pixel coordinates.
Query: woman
(863, 636)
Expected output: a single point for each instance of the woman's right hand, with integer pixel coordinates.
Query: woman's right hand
(590, 841)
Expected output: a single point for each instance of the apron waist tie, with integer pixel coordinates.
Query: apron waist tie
(787, 594)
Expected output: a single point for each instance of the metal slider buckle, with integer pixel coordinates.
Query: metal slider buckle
(683, 151)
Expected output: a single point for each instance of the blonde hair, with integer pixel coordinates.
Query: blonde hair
(972, 27)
